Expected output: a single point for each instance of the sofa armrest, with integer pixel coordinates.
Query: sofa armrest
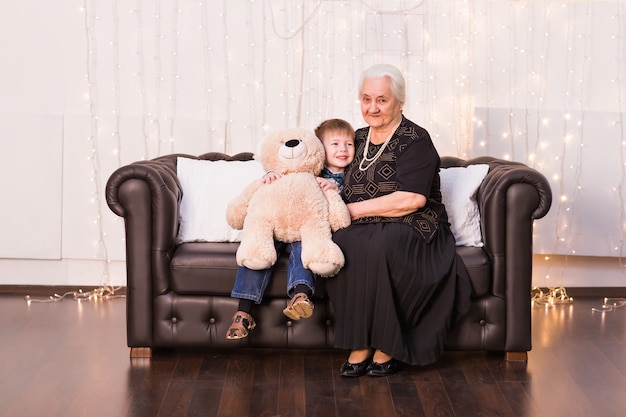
(510, 198)
(147, 195)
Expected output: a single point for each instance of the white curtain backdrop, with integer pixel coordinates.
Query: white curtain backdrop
(88, 86)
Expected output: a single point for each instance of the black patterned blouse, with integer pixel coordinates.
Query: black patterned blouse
(411, 163)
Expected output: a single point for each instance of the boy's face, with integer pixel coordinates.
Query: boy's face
(339, 148)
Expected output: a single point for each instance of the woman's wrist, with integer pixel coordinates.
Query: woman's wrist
(353, 210)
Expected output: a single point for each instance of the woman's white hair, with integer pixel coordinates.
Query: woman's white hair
(398, 85)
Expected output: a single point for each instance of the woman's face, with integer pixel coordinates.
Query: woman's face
(379, 106)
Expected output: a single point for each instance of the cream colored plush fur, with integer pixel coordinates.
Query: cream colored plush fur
(292, 208)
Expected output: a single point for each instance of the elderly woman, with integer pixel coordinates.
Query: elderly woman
(403, 284)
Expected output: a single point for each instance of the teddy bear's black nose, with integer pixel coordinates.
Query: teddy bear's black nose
(292, 143)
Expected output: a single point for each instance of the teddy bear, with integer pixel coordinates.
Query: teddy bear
(291, 208)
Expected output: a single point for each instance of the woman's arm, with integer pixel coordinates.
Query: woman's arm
(396, 204)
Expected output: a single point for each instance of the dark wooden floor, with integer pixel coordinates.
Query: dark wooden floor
(70, 358)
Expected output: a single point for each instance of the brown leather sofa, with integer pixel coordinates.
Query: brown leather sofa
(179, 295)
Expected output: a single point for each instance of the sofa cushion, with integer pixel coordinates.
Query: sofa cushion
(208, 187)
(458, 193)
(479, 268)
(210, 268)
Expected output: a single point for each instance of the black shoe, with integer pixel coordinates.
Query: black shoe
(355, 369)
(384, 369)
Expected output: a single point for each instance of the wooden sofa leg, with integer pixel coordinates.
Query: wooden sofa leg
(516, 356)
(140, 352)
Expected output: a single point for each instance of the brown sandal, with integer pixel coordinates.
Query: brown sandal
(299, 307)
(242, 322)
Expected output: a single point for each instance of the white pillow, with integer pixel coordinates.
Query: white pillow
(208, 187)
(458, 192)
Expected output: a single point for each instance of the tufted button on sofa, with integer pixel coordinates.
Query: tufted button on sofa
(178, 295)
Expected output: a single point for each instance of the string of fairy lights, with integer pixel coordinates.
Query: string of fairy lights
(262, 64)
(115, 46)
(207, 70)
(173, 76)
(105, 290)
(556, 293)
(618, 81)
(94, 138)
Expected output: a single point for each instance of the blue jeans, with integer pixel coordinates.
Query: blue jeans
(250, 284)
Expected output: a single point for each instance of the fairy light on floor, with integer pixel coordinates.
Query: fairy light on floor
(549, 297)
(610, 304)
(100, 293)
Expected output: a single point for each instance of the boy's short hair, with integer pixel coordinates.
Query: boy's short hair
(338, 125)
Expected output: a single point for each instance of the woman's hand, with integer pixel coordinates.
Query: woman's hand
(396, 204)
(327, 184)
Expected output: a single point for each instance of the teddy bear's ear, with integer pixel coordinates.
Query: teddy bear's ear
(266, 153)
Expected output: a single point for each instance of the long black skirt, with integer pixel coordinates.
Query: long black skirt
(396, 292)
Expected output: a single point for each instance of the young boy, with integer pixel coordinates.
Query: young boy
(337, 136)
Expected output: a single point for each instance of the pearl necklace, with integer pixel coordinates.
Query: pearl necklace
(370, 161)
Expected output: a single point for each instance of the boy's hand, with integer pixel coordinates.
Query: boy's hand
(327, 184)
(270, 177)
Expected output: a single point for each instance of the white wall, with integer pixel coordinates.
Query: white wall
(87, 86)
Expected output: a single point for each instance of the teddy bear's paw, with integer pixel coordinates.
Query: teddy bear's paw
(256, 263)
(340, 223)
(325, 269)
(339, 218)
(256, 253)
